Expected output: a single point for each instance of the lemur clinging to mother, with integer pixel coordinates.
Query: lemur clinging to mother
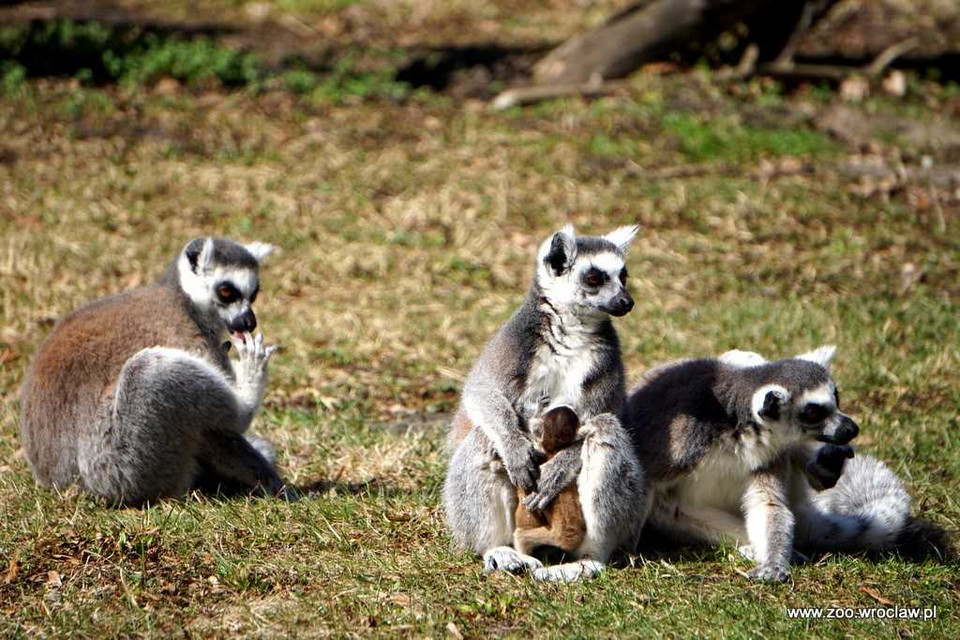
(558, 348)
(731, 446)
(133, 397)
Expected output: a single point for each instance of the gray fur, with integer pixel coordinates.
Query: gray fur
(554, 350)
(720, 468)
(133, 397)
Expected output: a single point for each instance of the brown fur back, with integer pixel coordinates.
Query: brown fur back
(74, 372)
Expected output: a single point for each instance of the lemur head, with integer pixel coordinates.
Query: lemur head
(558, 429)
(799, 397)
(588, 272)
(221, 279)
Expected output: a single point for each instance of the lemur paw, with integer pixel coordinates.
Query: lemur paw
(769, 573)
(825, 470)
(795, 556)
(509, 559)
(252, 358)
(568, 572)
(522, 461)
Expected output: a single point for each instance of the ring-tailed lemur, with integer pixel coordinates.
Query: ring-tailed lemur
(559, 348)
(133, 396)
(732, 445)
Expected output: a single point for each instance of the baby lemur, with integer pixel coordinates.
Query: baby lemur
(732, 445)
(560, 524)
(133, 396)
(558, 348)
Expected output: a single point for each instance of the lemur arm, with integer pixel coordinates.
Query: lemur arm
(556, 474)
(769, 521)
(491, 412)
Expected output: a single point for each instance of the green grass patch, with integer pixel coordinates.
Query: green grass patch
(727, 140)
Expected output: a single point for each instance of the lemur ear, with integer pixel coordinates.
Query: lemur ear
(259, 250)
(771, 406)
(742, 359)
(622, 236)
(821, 355)
(199, 253)
(559, 251)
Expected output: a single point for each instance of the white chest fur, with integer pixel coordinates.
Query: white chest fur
(719, 482)
(556, 376)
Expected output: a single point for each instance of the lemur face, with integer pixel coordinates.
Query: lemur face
(587, 272)
(807, 404)
(222, 279)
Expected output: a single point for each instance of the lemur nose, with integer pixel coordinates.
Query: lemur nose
(244, 322)
(846, 431)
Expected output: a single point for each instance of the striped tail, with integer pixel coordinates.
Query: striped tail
(870, 503)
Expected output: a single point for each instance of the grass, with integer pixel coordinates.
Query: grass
(406, 231)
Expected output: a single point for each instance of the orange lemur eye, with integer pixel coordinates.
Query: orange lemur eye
(227, 293)
(594, 277)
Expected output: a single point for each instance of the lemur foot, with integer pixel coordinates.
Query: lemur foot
(769, 573)
(568, 572)
(509, 559)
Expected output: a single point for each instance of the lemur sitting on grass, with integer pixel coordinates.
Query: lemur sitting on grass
(559, 348)
(133, 397)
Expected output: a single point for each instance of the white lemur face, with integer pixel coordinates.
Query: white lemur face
(222, 279)
(588, 272)
(807, 405)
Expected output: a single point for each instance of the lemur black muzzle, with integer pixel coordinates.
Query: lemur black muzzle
(621, 306)
(246, 321)
(845, 431)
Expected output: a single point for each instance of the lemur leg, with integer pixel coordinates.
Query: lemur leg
(480, 503)
(145, 443)
(231, 464)
(613, 497)
(770, 522)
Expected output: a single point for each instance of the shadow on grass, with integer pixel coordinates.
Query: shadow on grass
(921, 541)
(375, 487)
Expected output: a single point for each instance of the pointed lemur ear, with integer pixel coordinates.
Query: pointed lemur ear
(821, 355)
(199, 253)
(259, 250)
(622, 236)
(559, 251)
(771, 406)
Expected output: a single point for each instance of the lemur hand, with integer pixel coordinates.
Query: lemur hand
(522, 459)
(555, 475)
(825, 470)
(250, 367)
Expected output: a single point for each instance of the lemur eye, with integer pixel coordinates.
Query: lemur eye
(623, 276)
(253, 298)
(813, 414)
(227, 293)
(594, 278)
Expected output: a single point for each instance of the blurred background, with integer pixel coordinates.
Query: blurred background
(794, 166)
